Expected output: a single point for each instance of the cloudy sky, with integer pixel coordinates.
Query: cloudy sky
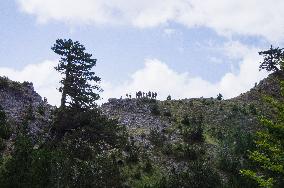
(185, 48)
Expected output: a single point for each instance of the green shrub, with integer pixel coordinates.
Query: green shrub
(41, 109)
(192, 130)
(199, 174)
(169, 98)
(5, 130)
(2, 144)
(154, 108)
(252, 109)
(157, 138)
(167, 113)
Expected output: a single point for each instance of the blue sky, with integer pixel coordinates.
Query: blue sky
(185, 48)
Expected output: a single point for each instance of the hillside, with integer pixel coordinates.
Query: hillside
(201, 142)
(222, 128)
(19, 99)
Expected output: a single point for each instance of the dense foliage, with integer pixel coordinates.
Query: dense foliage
(83, 157)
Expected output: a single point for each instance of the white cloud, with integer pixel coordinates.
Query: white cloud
(43, 76)
(157, 76)
(235, 83)
(227, 17)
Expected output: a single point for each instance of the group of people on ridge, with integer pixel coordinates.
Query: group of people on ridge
(140, 94)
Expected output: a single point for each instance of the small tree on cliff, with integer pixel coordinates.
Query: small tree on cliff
(79, 82)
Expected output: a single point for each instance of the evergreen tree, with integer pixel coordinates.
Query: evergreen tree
(76, 65)
(269, 153)
(272, 59)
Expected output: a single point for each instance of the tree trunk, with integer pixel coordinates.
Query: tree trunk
(64, 89)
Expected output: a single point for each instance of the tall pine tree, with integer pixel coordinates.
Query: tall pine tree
(79, 85)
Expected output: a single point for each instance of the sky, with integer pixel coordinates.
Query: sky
(182, 48)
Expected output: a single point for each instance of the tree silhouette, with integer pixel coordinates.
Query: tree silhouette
(76, 65)
(272, 59)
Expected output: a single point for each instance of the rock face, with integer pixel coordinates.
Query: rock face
(137, 115)
(19, 100)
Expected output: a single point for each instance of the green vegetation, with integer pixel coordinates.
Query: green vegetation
(269, 153)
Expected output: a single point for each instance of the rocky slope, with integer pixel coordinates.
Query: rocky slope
(142, 115)
(18, 100)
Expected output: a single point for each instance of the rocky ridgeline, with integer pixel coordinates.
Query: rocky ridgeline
(137, 115)
(266, 87)
(20, 100)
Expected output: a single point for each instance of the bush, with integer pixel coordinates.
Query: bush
(219, 97)
(41, 109)
(169, 98)
(154, 108)
(4, 82)
(5, 130)
(252, 109)
(232, 155)
(199, 174)
(2, 144)
(192, 131)
(167, 113)
(185, 120)
(157, 138)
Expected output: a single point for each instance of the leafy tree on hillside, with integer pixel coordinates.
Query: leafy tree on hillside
(272, 59)
(269, 153)
(76, 65)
